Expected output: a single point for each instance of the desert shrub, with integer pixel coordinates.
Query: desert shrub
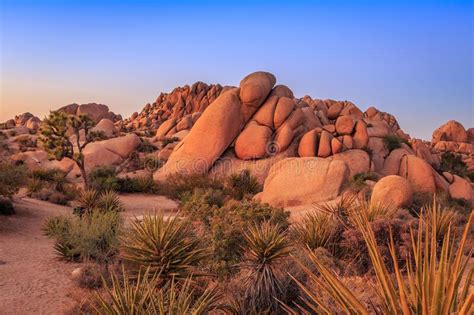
(368, 150)
(352, 248)
(12, 177)
(242, 184)
(90, 237)
(375, 210)
(316, 229)
(178, 184)
(167, 247)
(6, 206)
(224, 232)
(51, 185)
(357, 182)
(141, 184)
(169, 140)
(103, 178)
(146, 146)
(265, 247)
(145, 294)
(392, 142)
(109, 201)
(453, 163)
(202, 204)
(442, 218)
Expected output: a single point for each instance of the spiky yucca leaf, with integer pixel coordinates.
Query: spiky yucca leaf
(109, 201)
(435, 285)
(375, 210)
(167, 247)
(88, 199)
(146, 294)
(442, 218)
(338, 211)
(266, 245)
(316, 229)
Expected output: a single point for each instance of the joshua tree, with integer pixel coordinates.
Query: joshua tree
(56, 131)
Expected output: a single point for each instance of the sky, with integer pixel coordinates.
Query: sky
(415, 61)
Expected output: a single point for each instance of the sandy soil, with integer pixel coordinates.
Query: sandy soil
(32, 279)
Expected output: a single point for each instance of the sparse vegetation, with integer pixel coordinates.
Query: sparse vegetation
(392, 142)
(316, 229)
(90, 237)
(453, 163)
(51, 184)
(242, 185)
(103, 178)
(12, 177)
(169, 140)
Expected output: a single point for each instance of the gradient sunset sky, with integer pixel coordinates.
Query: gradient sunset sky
(412, 60)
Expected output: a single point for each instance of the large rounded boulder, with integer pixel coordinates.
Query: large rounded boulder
(303, 181)
(393, 191)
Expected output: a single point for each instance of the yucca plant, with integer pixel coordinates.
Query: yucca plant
(338, 211)
(88, 199)
(109, 201)
(432, 285)
(167, 247)
(442, 218)
(375, 210)
(316, 229)
(265, 246)
(146, 294)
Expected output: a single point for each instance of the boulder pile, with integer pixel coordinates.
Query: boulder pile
(302, 150)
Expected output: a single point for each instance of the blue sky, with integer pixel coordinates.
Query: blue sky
(412, 60)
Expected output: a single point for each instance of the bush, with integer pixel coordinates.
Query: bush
(141, 184)
(12, 177)
(224, 231)
(103, 178)
(169, 140)
(392, 142)
(453, 163)
(202, 204)
(51, 185)
(166, 247)
(357, 182)
(90, 237)
(470, 175)
(242, 184)
(177, 184)
(146, 146)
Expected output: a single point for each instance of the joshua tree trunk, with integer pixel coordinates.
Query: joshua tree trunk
(84, 175)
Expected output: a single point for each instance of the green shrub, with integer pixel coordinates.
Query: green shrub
(146, 146)
(169, 140)
(202, 204)
(12, 177)
(242, 184)
(453, 163)
(392, 142)
(357, 182)
(141, 184)
(90, 237)
(103, 178)
(177, 184)
(224, 232)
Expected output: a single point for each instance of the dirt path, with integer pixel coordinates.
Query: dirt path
(32, 279)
